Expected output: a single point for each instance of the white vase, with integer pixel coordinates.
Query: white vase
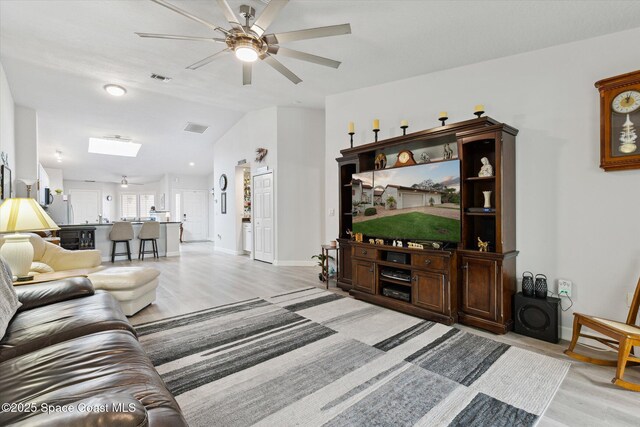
(487, 199)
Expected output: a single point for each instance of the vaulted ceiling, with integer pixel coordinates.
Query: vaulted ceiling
(59, 54)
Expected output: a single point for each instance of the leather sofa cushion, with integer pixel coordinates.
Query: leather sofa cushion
(104, 363)
(41, 294)
(34, 329)
(118, 278)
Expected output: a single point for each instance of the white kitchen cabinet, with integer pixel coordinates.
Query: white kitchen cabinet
(247, 237)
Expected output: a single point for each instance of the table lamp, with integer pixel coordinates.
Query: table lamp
(21, 214)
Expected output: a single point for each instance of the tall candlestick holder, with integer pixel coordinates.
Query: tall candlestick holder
(351, 138)
(443, 119)
(375, 131)
(478, 113)
(404, 129)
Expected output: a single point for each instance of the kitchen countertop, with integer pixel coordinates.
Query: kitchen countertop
(111, 223)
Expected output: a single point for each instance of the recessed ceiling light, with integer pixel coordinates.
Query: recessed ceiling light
(115, 90)
(59, 156)
(114, 147)
(192, 164)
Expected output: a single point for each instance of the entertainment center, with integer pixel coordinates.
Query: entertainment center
(424, 189)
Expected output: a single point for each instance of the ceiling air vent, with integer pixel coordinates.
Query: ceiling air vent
(159, 77)
(196, 128)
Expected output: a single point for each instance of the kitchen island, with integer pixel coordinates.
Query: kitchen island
(168, 243)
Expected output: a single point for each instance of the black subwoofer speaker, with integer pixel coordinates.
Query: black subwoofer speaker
(537, 317)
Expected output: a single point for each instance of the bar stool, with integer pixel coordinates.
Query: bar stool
(150, 231)
(121, 232)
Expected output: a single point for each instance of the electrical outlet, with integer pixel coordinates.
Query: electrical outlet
(564, 288)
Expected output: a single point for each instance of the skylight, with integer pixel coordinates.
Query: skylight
(114, 147)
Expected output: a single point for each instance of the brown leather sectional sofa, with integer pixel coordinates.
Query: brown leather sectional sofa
(71, 358)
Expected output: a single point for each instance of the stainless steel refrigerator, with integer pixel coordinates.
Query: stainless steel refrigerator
(61, 209)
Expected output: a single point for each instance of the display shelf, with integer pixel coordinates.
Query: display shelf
(480, 178)
(395, 281)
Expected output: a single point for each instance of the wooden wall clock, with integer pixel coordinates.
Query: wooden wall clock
(619, 122)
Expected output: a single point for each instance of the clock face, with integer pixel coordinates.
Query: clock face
(223, 182)
(626, 102)
(403, 157)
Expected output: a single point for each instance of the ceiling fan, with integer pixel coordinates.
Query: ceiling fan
(249, 41)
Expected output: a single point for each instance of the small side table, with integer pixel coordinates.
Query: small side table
(325, 265)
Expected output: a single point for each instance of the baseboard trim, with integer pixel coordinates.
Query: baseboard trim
(283, 263)
(227, 251)
(176, 253)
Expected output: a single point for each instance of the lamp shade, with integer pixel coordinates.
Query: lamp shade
(24, 214)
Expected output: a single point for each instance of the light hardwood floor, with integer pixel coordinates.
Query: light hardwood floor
(202, 278)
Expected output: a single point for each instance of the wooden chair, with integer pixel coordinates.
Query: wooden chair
(623, 336)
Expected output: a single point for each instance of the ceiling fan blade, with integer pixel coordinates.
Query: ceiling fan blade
(296, 54)
(267, 16)
(189, 15)
(231, 17)
(246, 73)
(310, 33)
(206, 60)
(281, 68)
(176, 37)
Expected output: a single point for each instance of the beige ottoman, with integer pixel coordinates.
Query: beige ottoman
(133, 287)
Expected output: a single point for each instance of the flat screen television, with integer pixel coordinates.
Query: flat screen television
(420, 202)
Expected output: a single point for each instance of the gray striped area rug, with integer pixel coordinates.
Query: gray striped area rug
(314, 358)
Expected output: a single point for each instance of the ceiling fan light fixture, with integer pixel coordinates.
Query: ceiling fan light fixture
(246, 53)
(124, 183)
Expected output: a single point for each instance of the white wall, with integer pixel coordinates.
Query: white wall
(109, 208)
(7, 123)
(574, 221)
(255, 129)
(300, 185)
(26, 136)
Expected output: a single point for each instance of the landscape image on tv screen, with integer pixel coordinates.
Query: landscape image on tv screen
(420, 202)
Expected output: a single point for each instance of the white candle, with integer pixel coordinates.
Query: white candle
(352, 127)
(376, 124)
(404, 123)
(443, 115)
(479, 108)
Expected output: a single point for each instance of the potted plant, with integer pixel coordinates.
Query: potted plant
(391, 202)
(321, 260)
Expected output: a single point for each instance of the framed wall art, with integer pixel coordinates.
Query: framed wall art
(5, 182)
(223, 203)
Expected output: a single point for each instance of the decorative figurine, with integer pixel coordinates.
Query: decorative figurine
(448, 152)
(483, 246)
(628, 138)
(359, 237)
(372, 241)
(424, 157)
(380, 161)
(487, 198)
(486, 169)
(415, 245)
(350, 234)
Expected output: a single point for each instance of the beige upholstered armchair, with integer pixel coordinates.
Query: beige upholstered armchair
(48, 257)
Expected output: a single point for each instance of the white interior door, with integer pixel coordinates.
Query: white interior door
(85, 206)
(194, 215)
(263, 218)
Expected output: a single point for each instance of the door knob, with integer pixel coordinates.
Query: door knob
(364, 252)
(427, 261)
